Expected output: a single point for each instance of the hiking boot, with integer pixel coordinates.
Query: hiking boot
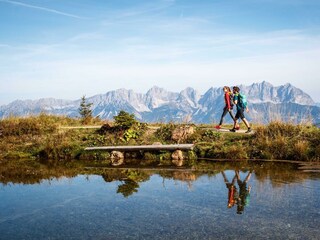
(232, 130)
(249, 130)
(217, 127)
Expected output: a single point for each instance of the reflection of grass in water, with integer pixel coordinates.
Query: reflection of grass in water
(31, 171)
(202, 213)
(165, 214)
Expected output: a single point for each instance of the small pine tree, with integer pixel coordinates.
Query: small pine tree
(85, 110)
(124, 120)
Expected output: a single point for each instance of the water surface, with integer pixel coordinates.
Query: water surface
(53, 202)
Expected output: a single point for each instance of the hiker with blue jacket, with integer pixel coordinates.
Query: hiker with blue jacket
(241, 103)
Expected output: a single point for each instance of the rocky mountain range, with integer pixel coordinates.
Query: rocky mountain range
(266, 103)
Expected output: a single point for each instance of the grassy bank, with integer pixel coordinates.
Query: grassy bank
(47, 137)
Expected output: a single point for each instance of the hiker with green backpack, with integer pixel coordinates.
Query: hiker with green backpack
(240, 101)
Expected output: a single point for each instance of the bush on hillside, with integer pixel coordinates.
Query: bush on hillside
(124, 120)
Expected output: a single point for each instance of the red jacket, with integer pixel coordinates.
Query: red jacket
(227, 100)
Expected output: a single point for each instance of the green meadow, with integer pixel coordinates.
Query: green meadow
(46, 137)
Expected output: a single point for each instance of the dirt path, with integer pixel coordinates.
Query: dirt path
(78, 127)
(227, 130)
(223, 130)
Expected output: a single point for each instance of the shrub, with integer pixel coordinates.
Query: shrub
(124, 120)
(134, 132)
(211, 135)
(165, 132)
(59, 147)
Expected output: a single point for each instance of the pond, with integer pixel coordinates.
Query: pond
(211, 201)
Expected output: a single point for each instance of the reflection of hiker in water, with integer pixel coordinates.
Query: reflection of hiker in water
(232, 190)
(244, 192)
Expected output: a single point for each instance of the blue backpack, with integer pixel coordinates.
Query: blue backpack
(243, 101)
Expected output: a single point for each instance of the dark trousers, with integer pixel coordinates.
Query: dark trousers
(225, 111)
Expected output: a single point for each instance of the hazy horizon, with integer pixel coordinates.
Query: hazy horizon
(66, 49)
(140, 92)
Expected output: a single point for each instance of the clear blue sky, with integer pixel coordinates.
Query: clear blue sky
(69, 48)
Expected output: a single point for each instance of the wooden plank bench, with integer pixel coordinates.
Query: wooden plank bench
(169, 147)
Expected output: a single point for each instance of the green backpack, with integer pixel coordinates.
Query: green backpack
(243, 101)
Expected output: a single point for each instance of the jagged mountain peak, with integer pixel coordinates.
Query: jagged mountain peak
(263, 83)
(213, 91)
(266, 92)
(189, 97)
(121, 99)
(212, 95)
(157, 97)
(160, 104)
(156, 90)
(190, 92)
(41, 102)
